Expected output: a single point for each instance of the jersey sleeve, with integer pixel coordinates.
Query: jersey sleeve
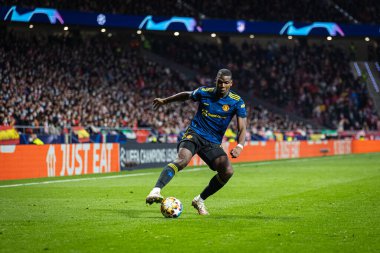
(240, 109)
(196, 95)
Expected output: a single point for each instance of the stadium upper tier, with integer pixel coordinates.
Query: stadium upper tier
(367, 11)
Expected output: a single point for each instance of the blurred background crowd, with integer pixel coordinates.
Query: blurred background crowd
(55, 81)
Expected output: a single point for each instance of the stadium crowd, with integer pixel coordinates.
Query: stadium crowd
(263, 10)
(315, 81)
(58, 82)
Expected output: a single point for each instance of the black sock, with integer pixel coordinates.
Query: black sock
(167, 174)
(216, 183)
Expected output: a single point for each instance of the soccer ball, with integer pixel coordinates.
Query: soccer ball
(171, 207)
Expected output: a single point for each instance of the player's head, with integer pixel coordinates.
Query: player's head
(223, 81)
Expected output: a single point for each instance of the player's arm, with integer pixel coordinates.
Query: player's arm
(242, 123)
(182, 96)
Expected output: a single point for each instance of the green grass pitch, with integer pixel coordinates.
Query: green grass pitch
(328, 204)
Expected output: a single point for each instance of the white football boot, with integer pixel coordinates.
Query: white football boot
(154, 196)
(198, 203)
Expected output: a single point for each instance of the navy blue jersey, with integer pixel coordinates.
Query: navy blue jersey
(214, 114)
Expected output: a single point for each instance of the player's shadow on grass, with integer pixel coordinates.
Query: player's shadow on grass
(154, 213)
(148, 213)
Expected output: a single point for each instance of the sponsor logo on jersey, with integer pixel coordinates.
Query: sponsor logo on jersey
(208, 114)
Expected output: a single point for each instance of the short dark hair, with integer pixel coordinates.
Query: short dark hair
(224, 72)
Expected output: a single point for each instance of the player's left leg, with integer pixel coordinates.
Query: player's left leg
(185, 153)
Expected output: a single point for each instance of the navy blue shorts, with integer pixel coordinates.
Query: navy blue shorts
(206, 150)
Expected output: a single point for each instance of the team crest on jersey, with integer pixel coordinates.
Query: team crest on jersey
(189, 136)
(225, 108)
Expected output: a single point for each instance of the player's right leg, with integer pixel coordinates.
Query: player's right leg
(217, 159)
(185, 153)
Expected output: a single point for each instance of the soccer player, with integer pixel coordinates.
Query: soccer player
(217, 106)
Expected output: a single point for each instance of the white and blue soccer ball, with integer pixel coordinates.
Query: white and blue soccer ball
(171, 207)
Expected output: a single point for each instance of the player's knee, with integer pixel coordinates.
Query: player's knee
(182, 162)
(183, 158)
(226, 173)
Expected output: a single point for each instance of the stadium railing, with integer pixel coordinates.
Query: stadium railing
(91, 134)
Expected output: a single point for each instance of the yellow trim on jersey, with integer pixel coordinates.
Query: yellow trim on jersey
(208, 89)
(234, 96)
(174, 167)
(185, 134)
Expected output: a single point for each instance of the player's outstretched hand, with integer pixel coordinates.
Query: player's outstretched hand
(235, 152)
(157, 103)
